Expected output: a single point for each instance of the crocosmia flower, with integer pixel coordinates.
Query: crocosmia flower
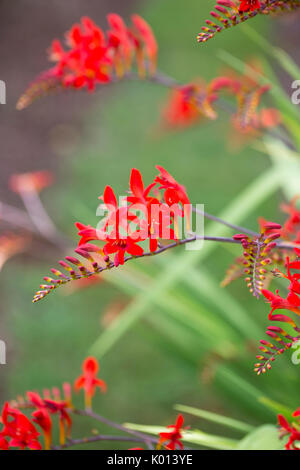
(249, 5)
(172, 439)
(88, 381)
(19, 429)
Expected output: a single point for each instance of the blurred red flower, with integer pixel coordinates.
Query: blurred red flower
(174, 436)
(88, 380)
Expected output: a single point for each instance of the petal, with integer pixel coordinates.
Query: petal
(109, 197)
(136, 183)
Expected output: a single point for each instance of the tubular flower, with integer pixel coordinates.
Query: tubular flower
(188, 104)
(11, 245)
(35, 181)
(229, 13)
(277, 334)
(138, 217)
(256, 255)
(19, 429)
(88, 380)
(120, 246)
(249, 5)
(41, 416)
(291, 430)
(65, 421)
(174, 436)
(144, 41)
(94, 57)
(292, 224)
(3, 443)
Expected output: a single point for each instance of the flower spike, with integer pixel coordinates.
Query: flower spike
(229, 13)
(257, 255)
(281, 340)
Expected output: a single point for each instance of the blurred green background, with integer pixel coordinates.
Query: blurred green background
(192, 342)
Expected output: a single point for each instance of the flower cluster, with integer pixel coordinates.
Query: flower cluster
(291, 430)
(140, 217)
(190, 103)
(292, 303)
(20, 432)
(96, 57)
(256, 255)
(172, 437)
(229, 13)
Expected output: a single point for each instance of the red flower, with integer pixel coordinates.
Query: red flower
(120, 246)
(289, 429)
(34, 181)
(173, 436)
(140, 194)
(3, 443)
(292, 225)
(292, 302)
(53, 407)
(42, 418)
(119, 43)
(86, 62)
(88, 380)
(249, 5)
(65, 421)
(144, 38)
(188, 104)
(174, 192)
(19, 429)
(87, 233)
(118, 217)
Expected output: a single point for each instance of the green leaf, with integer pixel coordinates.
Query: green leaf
(263, 438)
(215, 418)
(284, 59)
(191, 437)
(278, 408)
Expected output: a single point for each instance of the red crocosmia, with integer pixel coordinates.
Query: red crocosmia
(292, 302)
(65, 421)
(169, 183)
(88, 380)
(120, 246)
(292, 225)
(291, 430)
(87, 61)
(173, 437)
(140, 194)
(249, 5)
(88, 233)
(42, 418)
(34, 181)
(145, 39)
(3, 443)
(19, 429)
(175, 193)
(119, 43)
(181, 109)
(52, 407)
(118, 217)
